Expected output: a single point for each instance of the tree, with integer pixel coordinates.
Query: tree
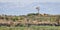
(15, 19)
(38, 9)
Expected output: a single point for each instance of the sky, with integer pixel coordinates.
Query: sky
(23, 7)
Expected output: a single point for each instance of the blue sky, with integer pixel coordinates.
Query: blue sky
(23, 7)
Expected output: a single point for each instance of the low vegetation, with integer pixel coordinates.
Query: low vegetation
(32, 21)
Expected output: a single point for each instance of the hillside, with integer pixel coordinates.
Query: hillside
(31, 18)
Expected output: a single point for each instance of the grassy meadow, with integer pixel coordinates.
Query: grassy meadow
(31, 28)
